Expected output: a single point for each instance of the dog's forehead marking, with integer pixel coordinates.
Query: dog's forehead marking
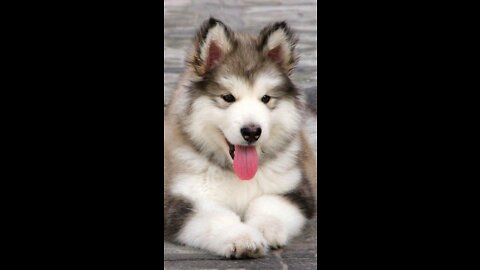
(265, 82)
(234, 83)
(262, 83)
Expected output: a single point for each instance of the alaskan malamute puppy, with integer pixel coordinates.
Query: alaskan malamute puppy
(239, 169)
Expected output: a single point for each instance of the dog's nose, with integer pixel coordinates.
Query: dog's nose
(251, 133)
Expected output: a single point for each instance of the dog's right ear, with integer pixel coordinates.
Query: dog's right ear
(213, 41)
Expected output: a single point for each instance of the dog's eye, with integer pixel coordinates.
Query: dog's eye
(228, 98)
(265, 99)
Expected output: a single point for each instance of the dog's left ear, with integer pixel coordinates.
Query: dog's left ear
(277, 42)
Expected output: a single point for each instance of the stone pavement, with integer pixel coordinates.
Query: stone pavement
(181, 19)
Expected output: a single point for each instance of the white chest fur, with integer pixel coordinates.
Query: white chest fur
(207, 183)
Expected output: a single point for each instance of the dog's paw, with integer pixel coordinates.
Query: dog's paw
(246, 242)
(272, 230)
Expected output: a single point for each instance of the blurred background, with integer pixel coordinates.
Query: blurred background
(182, 18)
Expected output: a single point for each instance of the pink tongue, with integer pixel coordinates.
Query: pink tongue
(245, 163)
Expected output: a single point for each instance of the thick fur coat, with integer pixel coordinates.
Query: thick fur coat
(239, 168)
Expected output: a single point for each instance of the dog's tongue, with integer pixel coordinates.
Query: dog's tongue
(245, 163)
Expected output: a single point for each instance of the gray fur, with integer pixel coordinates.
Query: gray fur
(177, 211)
(303, 197)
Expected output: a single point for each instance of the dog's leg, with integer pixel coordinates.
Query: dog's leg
(221, 231)
(276, 217)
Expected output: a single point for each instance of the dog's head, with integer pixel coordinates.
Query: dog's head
(243, 104)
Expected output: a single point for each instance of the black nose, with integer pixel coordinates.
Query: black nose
(251, 133)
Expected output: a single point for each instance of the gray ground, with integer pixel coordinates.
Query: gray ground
(182, 18)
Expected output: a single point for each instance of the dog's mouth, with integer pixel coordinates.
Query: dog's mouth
(231, 148)
(245, 160)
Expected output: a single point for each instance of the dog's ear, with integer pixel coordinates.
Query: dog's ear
(277, 42)
(213, 41)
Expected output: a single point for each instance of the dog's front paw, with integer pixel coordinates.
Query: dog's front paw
(246, 242)
(273, 231)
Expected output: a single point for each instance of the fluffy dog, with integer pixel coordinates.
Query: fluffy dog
(239, 168)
